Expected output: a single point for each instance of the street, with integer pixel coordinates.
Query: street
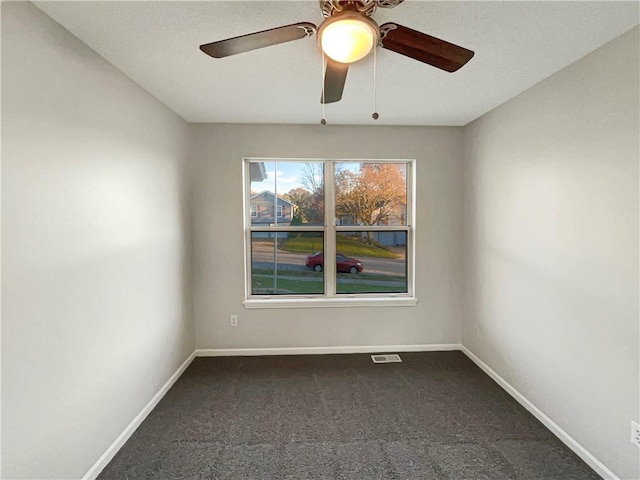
(263, 256)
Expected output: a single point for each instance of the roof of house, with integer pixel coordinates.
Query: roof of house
(268, 193)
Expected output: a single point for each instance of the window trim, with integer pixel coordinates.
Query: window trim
(254, 211)
(330, 298)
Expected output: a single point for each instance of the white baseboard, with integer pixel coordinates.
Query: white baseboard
(567, 439)
(108, 455)
(250, 352)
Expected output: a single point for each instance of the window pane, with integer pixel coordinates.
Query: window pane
(262, 196)
(298, 188)
(279, 263)
(371, 262)
(371, 193)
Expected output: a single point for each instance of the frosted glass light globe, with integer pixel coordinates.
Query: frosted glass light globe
(347, 40)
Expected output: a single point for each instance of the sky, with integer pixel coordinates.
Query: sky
(288, 175)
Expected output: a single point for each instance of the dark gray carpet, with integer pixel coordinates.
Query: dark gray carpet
(434, 416)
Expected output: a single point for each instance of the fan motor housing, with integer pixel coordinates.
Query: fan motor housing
(366, 7)
(332, 7)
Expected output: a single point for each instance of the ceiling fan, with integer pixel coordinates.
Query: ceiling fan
(346, 35)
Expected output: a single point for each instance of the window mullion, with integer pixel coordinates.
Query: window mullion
(367, 228)
(330, 229)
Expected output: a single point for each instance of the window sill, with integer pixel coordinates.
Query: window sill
(330, 302)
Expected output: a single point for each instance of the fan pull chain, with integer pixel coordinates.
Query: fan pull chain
(323, 121)
(375, 69)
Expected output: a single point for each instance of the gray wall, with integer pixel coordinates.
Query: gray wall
(551, 242)
(540, 197)
(216, 205)
(94, 318)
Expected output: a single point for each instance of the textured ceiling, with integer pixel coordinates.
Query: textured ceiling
(516, 44)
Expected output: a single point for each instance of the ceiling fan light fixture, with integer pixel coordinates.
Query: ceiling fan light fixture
(348, 37)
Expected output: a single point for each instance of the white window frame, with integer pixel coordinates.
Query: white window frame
(330, 228)
(254, 211)
(278, 211)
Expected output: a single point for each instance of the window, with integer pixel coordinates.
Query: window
(358, 212)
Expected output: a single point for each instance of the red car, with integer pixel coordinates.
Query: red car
(345, 264)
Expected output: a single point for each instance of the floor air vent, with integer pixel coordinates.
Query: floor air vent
(386, 358)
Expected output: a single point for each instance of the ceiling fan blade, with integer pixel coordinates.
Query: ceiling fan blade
(334, 77)
(423, 47)
(253, 41)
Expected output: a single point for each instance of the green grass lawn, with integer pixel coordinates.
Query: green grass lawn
(262, 283)
(359, 288)
(264, 286)
(312, 274)
(345, 245)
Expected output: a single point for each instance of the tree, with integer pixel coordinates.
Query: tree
(372, 193)
(302, 200)
(310, 199)
(312, 177)
(309, 206)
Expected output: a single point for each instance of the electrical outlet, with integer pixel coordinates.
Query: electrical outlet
(233, 320)
(635, 434)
